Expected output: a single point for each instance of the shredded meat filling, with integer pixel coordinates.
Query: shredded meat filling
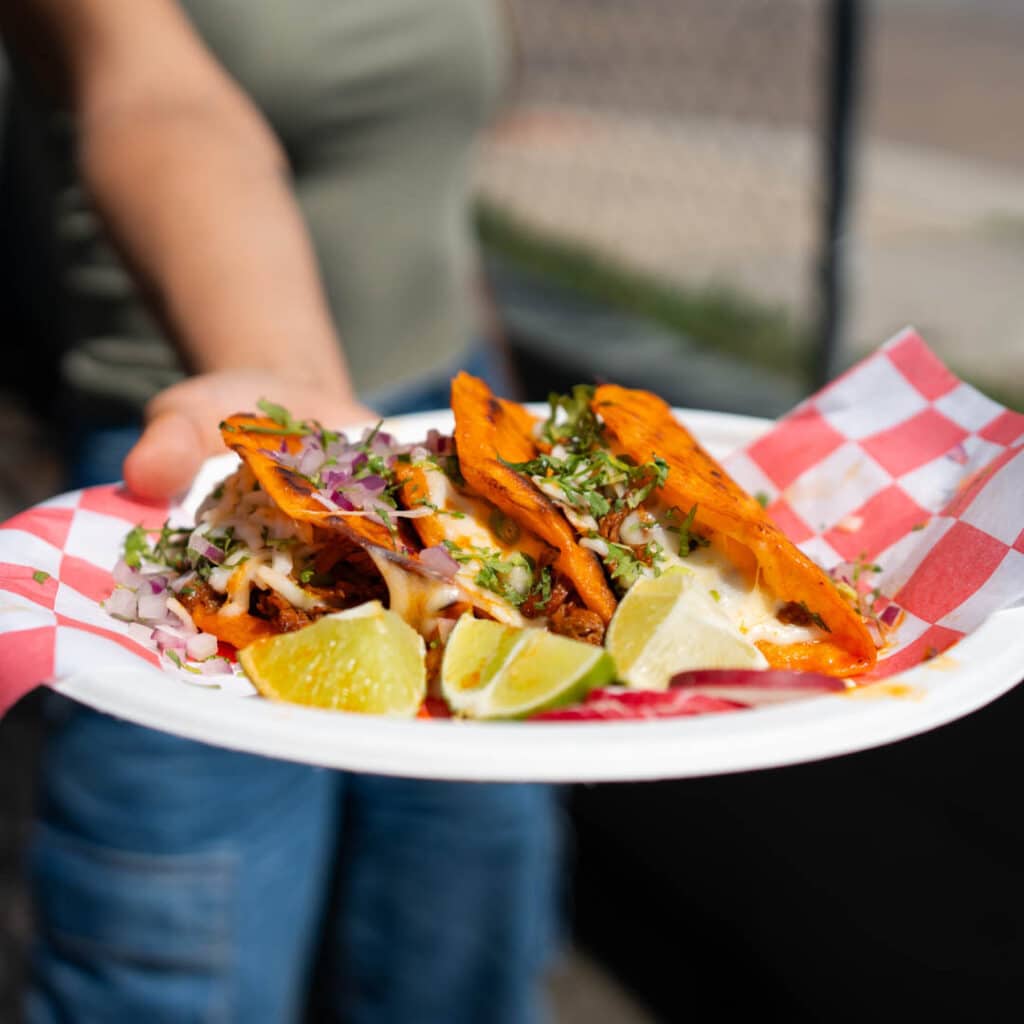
(577, 623)
(792, 613)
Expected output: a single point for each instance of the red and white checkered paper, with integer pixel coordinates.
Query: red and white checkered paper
(929, 471)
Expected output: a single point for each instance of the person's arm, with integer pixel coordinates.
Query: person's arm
(192, 185)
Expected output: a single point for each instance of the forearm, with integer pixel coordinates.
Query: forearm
(198, 201)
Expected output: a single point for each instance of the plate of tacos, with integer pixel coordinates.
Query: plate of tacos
(573, 592)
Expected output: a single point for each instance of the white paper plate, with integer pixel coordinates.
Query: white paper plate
(980, 668)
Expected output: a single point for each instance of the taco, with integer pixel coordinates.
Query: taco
(614, 481)
(312, 523)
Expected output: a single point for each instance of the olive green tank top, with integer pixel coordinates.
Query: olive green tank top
(378, 104)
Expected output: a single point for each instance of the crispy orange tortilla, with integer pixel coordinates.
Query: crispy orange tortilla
(293, 493)
(491, 431)
(237, 630)
(412, 491)
(643, 426)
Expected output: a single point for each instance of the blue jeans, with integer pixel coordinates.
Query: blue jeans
(178, 882)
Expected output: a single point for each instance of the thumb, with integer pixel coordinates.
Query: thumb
(166, 457)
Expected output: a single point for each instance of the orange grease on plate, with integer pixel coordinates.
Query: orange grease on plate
(942, 662)
(871, 691)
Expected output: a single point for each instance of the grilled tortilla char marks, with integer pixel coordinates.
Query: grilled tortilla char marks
(491, 431)
(643, 425)
(293, 493)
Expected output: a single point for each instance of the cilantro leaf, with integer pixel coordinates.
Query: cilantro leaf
(136, 546)
(580, 429)
(281, 416)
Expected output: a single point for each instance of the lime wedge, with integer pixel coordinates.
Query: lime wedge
(495, 671)
(476, 649)
(667, 624)
(365, 659)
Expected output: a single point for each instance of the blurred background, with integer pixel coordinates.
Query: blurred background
(727, 200)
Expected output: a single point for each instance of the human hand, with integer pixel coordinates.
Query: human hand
(182, 422)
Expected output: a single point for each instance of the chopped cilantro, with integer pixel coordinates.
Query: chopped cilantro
(763, 498)
(282, 417)
(715, 594)
(598, 504)
(516, 578)
(437, 510)
(222, 538)
(136, 546)
(40, 576)
(688, 540)
(384, 516)
(169, 548)
(578, 429)
(623, 564)
(862, 565)
(457, 553)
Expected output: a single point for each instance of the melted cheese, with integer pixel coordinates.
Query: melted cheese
(749, 605)
(418, 599)
(469, 529)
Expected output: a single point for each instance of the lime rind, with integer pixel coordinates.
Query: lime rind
(522, 672)
(510, 696)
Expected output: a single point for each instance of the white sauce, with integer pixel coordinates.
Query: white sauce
(748, 604)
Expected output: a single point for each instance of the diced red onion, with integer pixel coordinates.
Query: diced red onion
(167, 640)
(310, 461)
(632, 530)
(756, 686)
(373, 484)
(340, 449)
(843, 572)
(440, 444)
(215, 667)
(179, 617)
(198, 544)
(615, 703)
(200, 646)
(438, 559)
(154, 585)
(152, 607)
(179, 583)
(336, 477)
(891, 614)
(339, 499)
(122, 604)
(124, 574)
